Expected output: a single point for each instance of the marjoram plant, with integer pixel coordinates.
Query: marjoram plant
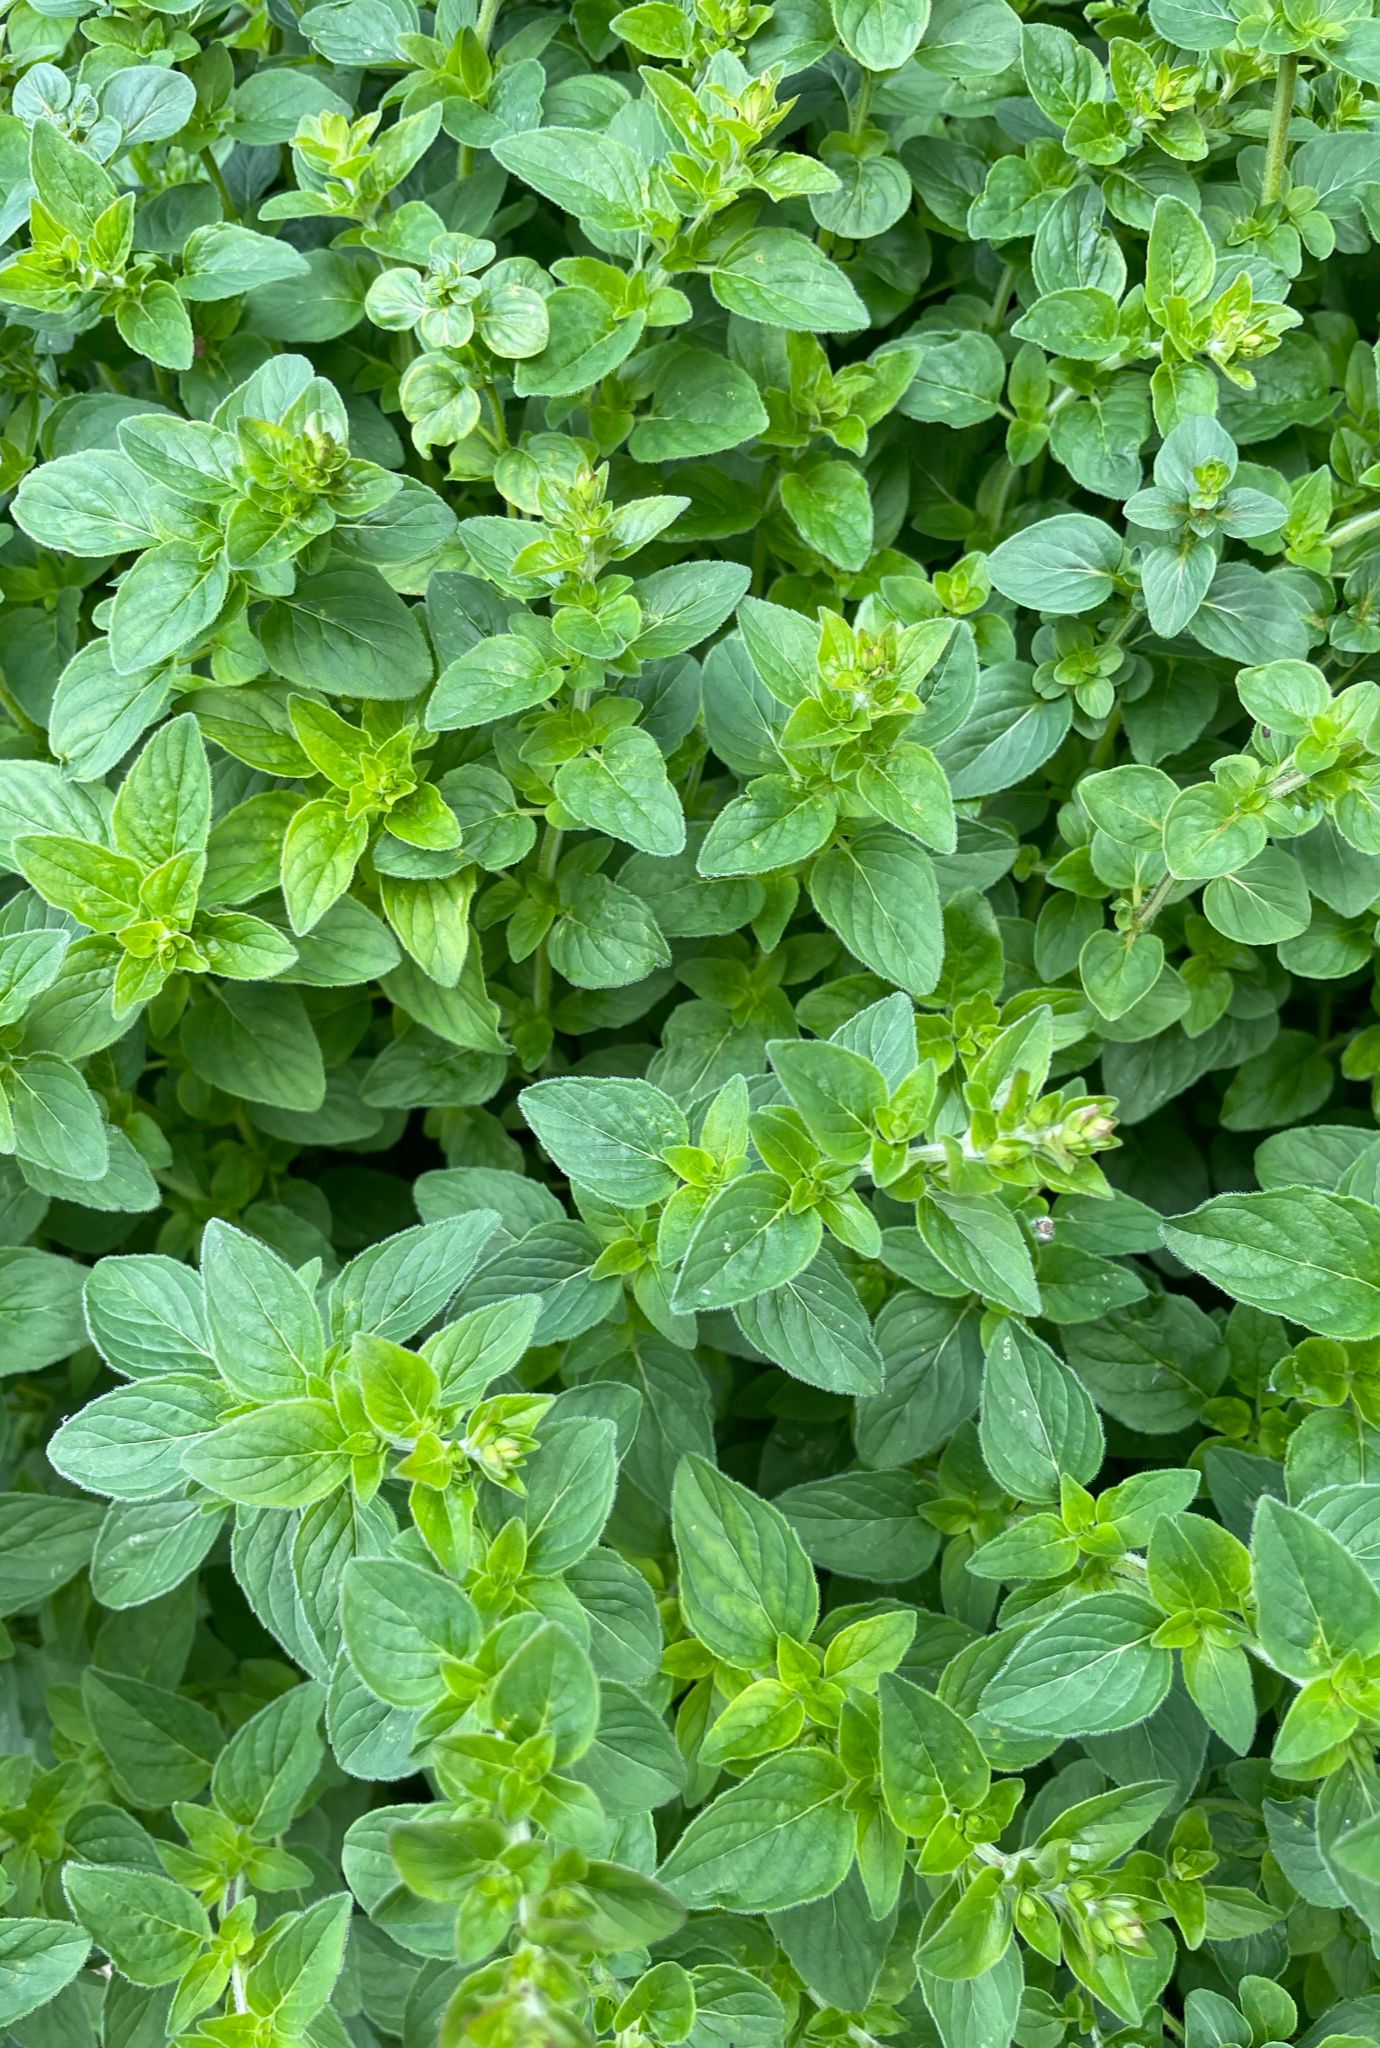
(689, 1030)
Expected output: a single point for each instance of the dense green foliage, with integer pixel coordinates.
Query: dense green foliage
(689, 860)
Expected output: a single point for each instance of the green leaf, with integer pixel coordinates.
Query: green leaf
(816, 1329)
(292, 1980)
(40, 1309)
(881, 34)
(838, 1093)
(1108, 1826)
(282, 1456)
(622, 789)
(1089, 1669)
(146, 1548)
(131, 1443)
(1064, 565)
(778, 1839)
(1315, 1602)
(401, 1623)
(1301, 1252)
(681, 605)
(1038, 1425)
(878, 893)
(160, 1747)
(977, 2012)
(151, 1928)
(958, 379)
(37, 1959)
(831, 509)
(75, 188)
(164, 604)
(347, 629)
(402, 1282)
(930, 1758)
(548, 1690)
(146, 1316)
(256, 1042)
(164, 804)
(609, 1135)
(908, 788)
(594, 177)
(222, 260)
(1180, 260)
(586, 340)
(321, 850)
(262, 1322)
(57, 1120)
(979, 1241)
(968, 1934)
(570, 1481)
(864, 1525)
(605, 937)
(745, 1580)
(1080, 322)
(1118, 968)
(269, 1766)
(155, 323)
(774, 825)
(700, 405)
(779, 278)
(748, 1240)
(493, 679)
(1205, 834)
(1261, 903)
(94, 503)
(44, 1542)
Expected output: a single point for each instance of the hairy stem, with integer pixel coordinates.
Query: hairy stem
(1154, 903)
(233, 1893)
(217, 177)
(1352, 529)
(541, 964)
(1277, 146)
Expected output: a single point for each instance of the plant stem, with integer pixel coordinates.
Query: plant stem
(541, 984)
(483, 29)
(1154, 903)
(1353, 528)
(499, 436)
(862, 105)
(232, 1898)
(1000, 296)
(1106, 745)
(1003, 493)
(217, 177)
(10, 703)
(1277, 147)
(759, 559)
(541, 965)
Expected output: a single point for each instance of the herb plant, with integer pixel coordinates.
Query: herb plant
(689, 1184)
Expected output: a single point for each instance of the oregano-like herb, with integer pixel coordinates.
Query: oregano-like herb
(689, 1174)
